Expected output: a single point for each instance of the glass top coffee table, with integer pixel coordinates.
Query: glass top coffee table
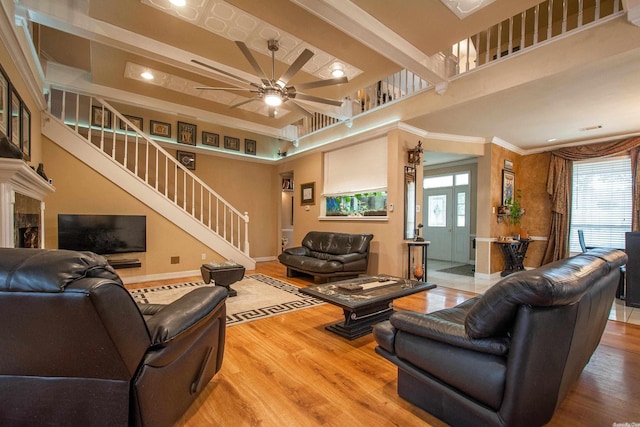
(365, 300)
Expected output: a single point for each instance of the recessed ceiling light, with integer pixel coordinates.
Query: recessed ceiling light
(147, 75)
(178, 2)
(337, 69)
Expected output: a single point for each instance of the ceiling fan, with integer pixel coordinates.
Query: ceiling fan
(276, 92)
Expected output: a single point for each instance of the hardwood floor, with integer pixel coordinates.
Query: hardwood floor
(289, 371)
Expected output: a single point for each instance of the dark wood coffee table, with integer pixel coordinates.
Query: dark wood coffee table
(365, 300)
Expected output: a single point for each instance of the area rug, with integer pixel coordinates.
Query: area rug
(461, 270)
(259, 296)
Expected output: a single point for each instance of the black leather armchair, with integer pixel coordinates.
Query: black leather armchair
(508, 357)
(75, 349)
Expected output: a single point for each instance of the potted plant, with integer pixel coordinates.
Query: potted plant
(515, 211)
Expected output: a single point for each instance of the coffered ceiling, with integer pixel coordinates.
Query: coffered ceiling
(102, 46)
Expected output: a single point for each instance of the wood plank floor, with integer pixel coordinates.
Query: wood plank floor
(289, 371)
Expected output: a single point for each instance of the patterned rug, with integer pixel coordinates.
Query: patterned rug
(259, 296)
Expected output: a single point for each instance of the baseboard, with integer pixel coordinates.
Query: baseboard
(266, 258)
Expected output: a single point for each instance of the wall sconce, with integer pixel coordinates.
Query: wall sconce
(282, 153)
(413, 156)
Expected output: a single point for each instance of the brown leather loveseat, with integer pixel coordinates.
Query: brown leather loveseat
(328, 255)
(508, 357)
(76, 350)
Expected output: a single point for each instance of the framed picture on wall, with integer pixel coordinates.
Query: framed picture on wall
(4, 103)
(210, 139)
(160, 129)
(100, 117)
(25, 132)
(508, 186)
(187, 159)
(187, 133)
(14, 122)
(136, 121)
(231, 143)
(308, 193)
(250, 146)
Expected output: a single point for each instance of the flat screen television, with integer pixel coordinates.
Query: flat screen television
(103, 234)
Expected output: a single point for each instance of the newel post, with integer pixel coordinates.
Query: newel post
(246, 233)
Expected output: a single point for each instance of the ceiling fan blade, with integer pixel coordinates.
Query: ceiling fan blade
(244, 102)
(225, 88)
(217, 70)
(321, 83)
(304, 57)
(300, 109)
(316, 99)
(247, 54)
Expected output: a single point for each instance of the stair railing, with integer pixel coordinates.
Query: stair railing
(117, 137)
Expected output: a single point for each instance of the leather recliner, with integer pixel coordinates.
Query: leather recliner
(508, 357)
(75, 349)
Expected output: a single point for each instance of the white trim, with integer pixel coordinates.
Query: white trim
(21, 52)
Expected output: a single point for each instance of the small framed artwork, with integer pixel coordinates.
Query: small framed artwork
(308, 193)
(508, 165)
(100, 117)
(187, 159)
(4, 102)
(187, 133)
(25, 132)
(508, 186)
(231, 143)
(136, 121)
(160, 129)
(14, 123)
(210, 139)
(250, 146)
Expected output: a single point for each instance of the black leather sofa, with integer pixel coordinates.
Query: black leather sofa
(328, 255)
(76, 350)
(508, 357)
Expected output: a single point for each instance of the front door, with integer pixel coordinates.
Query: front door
(446, 223)
(438, 221)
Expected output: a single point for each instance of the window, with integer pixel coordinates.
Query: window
(601, 202)
(355, 180)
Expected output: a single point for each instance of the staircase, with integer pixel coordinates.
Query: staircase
(94, 132)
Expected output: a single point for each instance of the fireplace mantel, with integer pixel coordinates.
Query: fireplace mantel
(18, 177)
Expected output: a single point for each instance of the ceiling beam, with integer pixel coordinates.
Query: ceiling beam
(355, 22)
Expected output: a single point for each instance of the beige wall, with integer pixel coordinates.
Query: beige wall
(246, 185)
(388, 250)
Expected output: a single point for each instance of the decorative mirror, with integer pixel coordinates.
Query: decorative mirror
(409, 202)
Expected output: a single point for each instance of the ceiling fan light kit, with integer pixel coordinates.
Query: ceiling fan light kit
(274, 92)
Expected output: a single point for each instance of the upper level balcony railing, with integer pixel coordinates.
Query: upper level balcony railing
(528, 29)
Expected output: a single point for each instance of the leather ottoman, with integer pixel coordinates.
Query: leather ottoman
(223, 274)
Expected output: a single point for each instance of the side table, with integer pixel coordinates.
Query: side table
(421, 244)
(223, 274)
(514, 252)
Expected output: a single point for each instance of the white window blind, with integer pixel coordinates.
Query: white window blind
(359, 168)
(601, 202)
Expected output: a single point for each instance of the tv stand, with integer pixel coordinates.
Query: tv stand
(125, 263)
